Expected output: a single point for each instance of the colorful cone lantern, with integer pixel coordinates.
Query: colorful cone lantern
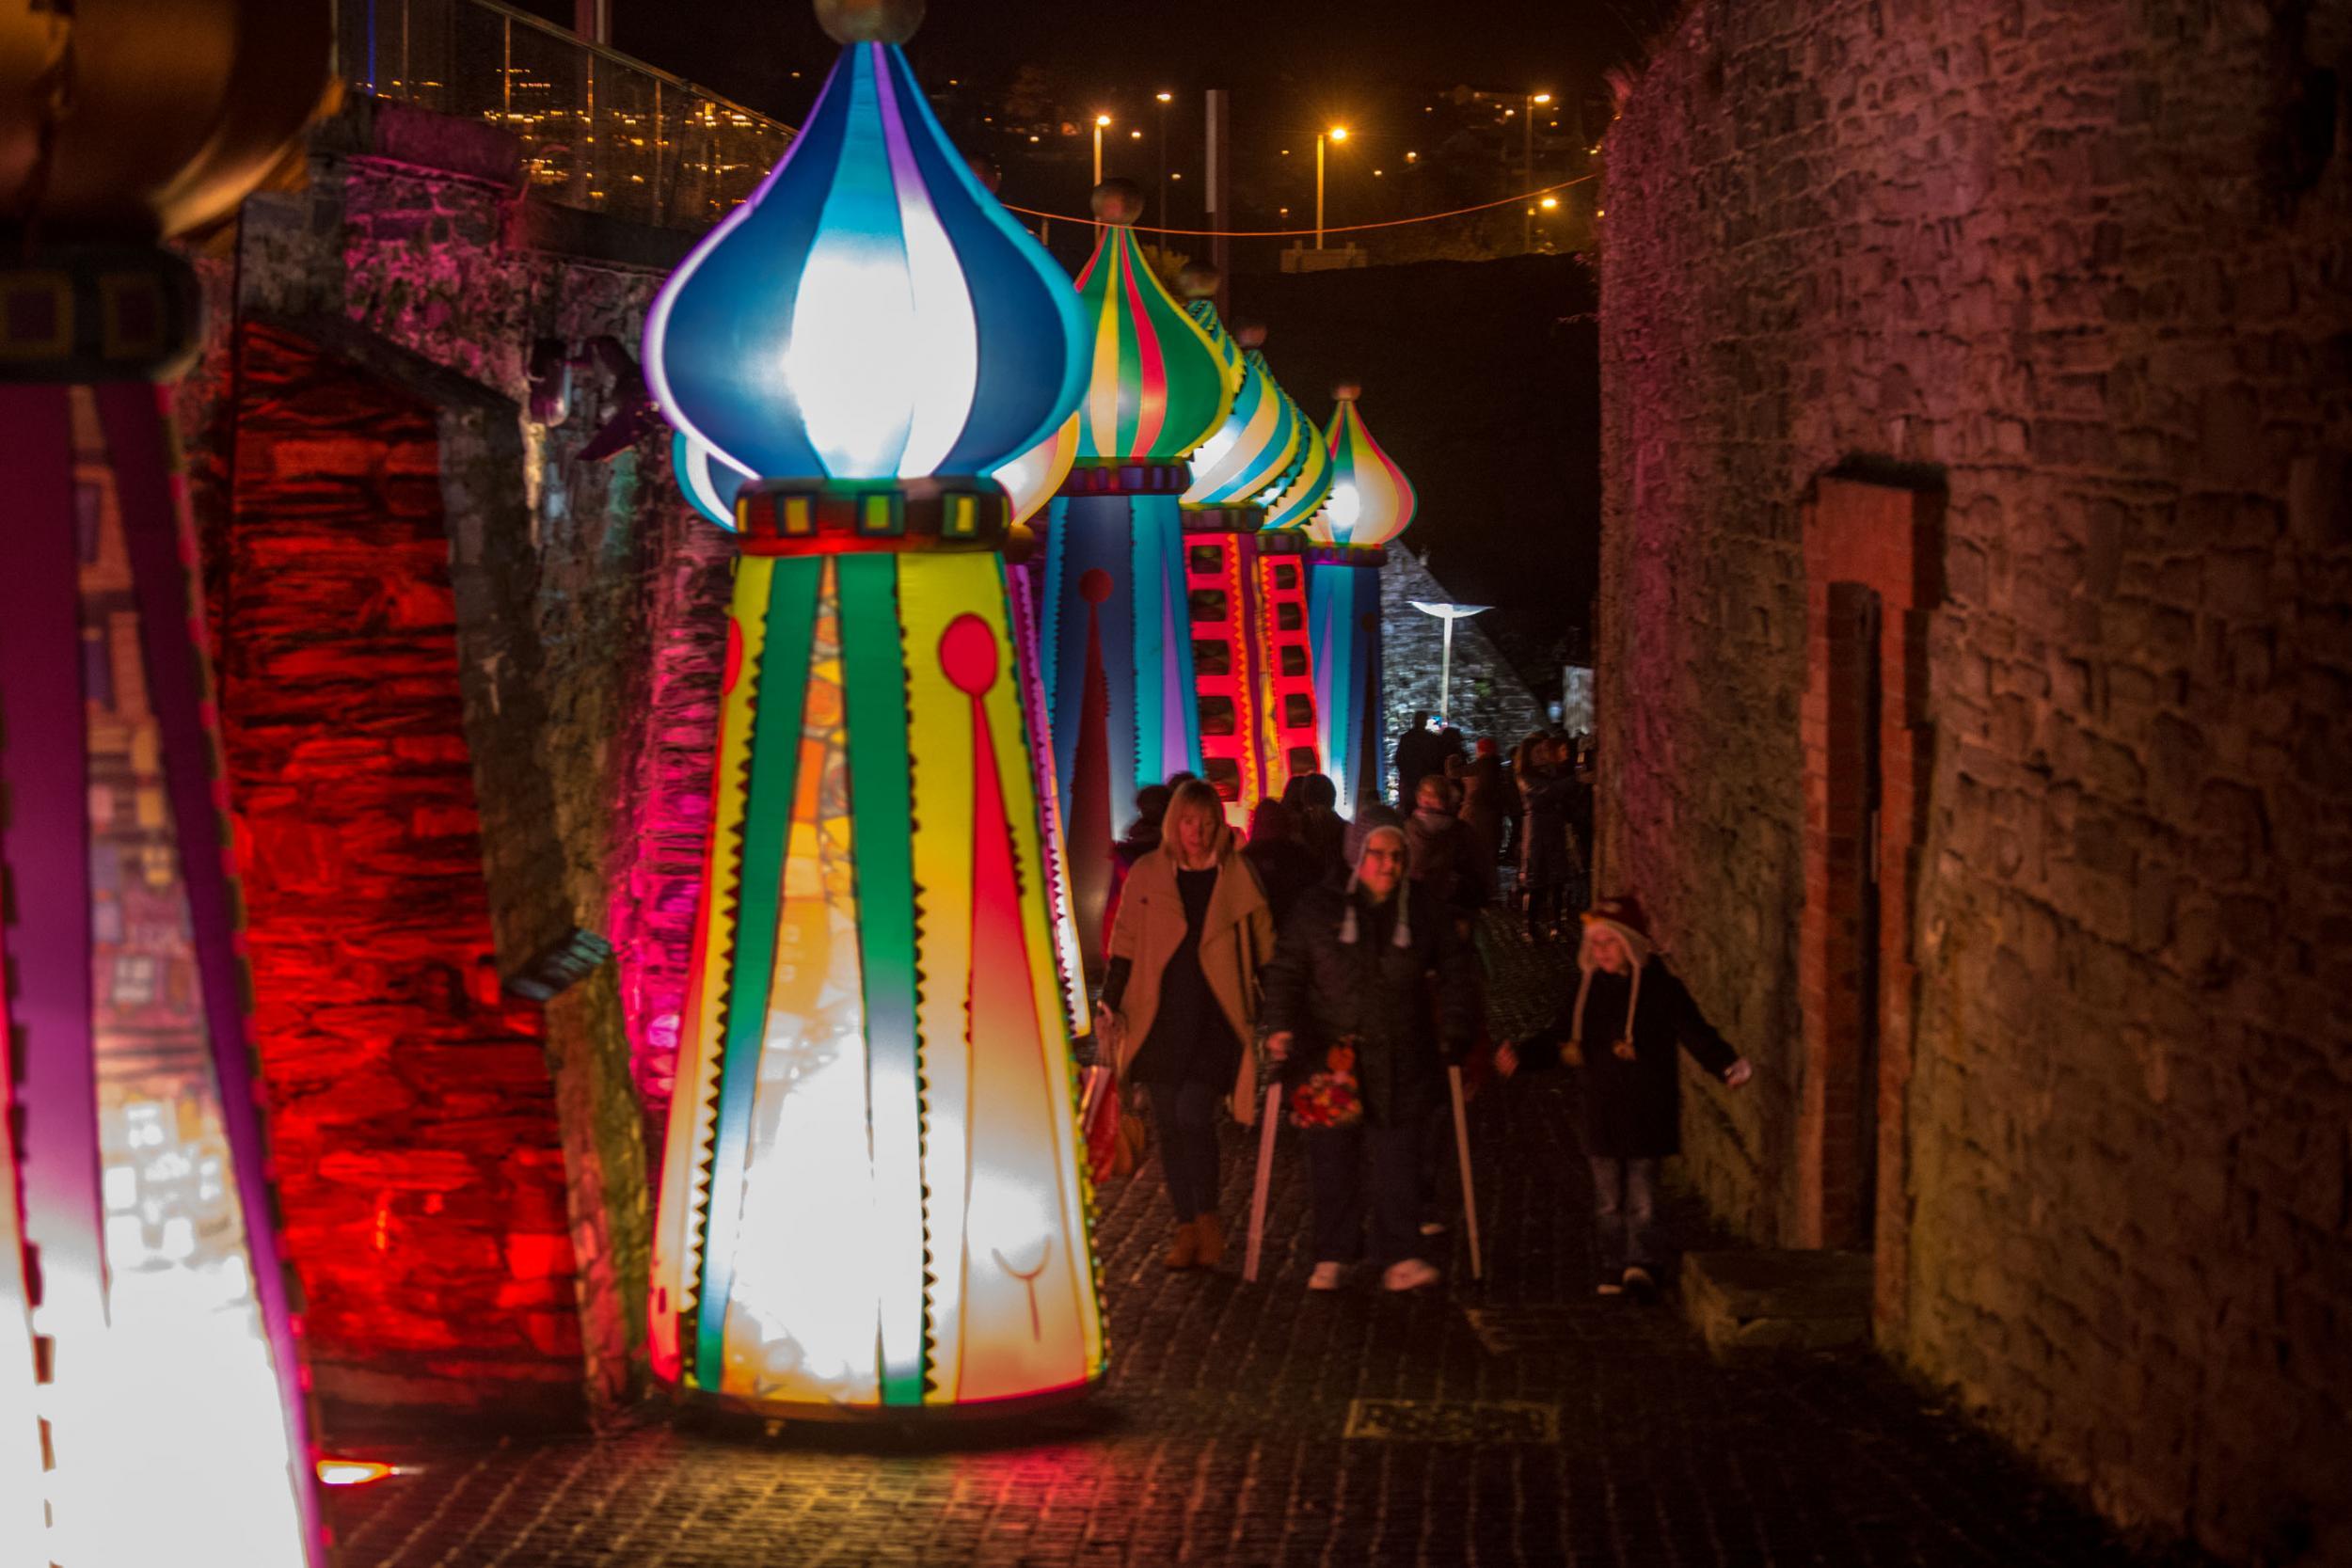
(151, 1385)
(1246, 590)
(1113, 622)
(1030, 481)
(872, 1195)
(1370, 503)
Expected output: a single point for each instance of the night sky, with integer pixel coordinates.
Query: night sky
(1317, 53)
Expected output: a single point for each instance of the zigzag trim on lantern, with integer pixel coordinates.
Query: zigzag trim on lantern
(918, 923)
(775, 768)
(697, 1079)
(1002, 710)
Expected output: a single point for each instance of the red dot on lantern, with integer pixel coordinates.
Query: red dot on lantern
(1095, 586)
(968, 651)
(735, 655)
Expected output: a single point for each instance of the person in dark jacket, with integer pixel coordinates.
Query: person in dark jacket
(1349, 986)
(1419, 753)
(1628, 1016)
(1321, 828)
(1285, 868)
(1445, 854)
(1545, 858)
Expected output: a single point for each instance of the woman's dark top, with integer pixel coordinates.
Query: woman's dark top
(1190, 1041)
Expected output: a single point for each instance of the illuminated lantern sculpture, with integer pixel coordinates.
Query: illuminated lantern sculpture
(1115, 633)
(872, 1195)
(1030, 481)
(1370, 503)
(150, 1387)
(1246, 590)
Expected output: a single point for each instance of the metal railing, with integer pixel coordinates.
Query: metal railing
(598, 129)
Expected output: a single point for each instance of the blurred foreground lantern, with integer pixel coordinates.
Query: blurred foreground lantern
(1370, 503)
(872, 1197)
(1114, 628)
(150, 1391)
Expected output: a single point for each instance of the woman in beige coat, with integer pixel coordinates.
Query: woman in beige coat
(1192, 930)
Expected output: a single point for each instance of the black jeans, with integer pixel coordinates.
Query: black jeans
(1183, 1116)
(1347, 1165)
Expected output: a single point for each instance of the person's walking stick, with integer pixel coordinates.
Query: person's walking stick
(1469, 1191)
(1266, 1178)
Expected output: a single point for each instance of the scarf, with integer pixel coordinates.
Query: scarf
(1639, 947)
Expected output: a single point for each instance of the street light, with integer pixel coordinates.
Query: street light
(1163, 98)
(1527, 162)
(1100, 123)
(1449, 613)
(1337, 133)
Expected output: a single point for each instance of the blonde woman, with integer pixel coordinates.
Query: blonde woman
(1182, 991)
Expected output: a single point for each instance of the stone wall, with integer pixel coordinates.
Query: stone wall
(588, 604)
(413, 1120)
(2078, 270)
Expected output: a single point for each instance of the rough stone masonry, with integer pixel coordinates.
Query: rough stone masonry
(2082, 271)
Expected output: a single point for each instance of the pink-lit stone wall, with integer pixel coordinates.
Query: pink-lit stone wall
(2079, 271)
(587, 612)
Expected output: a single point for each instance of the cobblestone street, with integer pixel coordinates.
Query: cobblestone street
(1542, 1425)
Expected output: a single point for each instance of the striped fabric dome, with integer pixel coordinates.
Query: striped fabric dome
(871, 312)
(1157, 384)
(1371, 500)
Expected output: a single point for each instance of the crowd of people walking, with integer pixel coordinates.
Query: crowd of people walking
(1340, 960)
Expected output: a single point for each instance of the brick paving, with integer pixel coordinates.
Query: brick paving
(1221, 1436)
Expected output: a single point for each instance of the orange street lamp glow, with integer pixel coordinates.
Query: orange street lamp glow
(1338, 132)
(1167, 97)
(1102, 120)
(1543, 98)
(1550, 201)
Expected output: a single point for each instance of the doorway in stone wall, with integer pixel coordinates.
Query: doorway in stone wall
(1856, 799)
(1872, 553)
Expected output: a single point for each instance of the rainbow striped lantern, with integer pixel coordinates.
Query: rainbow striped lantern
(1246, 587)
(152, 1390)
(873, 1198)
(1112, 623)
(1370, 502)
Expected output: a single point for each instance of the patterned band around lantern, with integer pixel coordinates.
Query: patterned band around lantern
(1245, 587)
(1370, 503)
(152, 1399)
(1113, 625)
(872, 1195)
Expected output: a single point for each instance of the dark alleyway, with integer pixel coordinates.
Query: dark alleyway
(1538, 1424)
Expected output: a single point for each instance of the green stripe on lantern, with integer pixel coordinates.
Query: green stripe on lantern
(874, 695)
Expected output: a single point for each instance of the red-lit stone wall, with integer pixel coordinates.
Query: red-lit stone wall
(2076, 271)
(414, 1125)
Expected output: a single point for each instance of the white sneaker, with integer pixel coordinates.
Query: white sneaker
(1411, 1274)
(1326, 1277)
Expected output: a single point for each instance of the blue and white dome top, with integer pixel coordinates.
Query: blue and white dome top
(872, 312)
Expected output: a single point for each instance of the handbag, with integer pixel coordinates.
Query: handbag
(1330, 1095)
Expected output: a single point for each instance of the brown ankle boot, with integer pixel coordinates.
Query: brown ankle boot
(1212, 1240)
(1184, 1251)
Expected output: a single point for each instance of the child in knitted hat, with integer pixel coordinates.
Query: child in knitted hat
(1629, 1015)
